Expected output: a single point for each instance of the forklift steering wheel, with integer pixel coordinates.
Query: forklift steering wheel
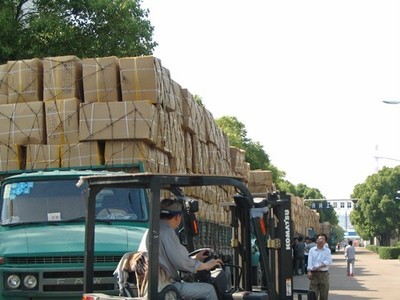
(209, 253)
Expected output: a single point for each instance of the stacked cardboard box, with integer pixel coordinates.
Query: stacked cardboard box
(67, 112)
(260, 181)
(303, 217)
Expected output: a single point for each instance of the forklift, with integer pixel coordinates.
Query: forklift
(265, 220)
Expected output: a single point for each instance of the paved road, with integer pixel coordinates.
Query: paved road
(374, 278)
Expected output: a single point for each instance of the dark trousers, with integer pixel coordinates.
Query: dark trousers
(305, 263)
(299, 265)
(319, 283)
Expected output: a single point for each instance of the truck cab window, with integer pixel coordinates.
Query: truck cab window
(121, 204)
(62, 200)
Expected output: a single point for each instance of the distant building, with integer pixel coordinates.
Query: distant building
(343, 208)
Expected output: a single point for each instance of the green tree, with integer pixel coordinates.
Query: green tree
(255, 154)
(377, 213)
(235, 130)
(85, 28)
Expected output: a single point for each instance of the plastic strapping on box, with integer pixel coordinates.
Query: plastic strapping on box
(99, 88)
(137, 82)
(126, 119)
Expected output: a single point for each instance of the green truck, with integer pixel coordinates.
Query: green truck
(42, 233)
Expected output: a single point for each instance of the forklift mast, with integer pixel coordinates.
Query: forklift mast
(276, 253)
(282, 234)
(269, 221)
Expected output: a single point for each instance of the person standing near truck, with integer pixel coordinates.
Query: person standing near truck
(174, 257)
(299, 256)
(310, 242)
(319, 260)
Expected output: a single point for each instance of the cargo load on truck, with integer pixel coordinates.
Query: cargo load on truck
(63, 116)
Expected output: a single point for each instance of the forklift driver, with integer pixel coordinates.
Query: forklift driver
(174, 257)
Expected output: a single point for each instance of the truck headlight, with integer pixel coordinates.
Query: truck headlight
(30, 281)
(13, 281)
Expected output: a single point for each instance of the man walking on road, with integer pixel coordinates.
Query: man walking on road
(319, 260)
(350, 256)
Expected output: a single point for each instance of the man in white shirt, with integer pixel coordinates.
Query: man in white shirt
(319, 260)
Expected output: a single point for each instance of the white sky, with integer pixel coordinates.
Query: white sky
(306, 78)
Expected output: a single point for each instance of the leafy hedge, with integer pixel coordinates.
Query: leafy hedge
(373, 248)
(389, 252)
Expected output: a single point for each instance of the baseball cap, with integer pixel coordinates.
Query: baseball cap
(170, 207)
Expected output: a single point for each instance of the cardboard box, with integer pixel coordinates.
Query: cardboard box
(62, 121)
(211, 127)
(237, 159)
(11, 158)
(22, 123)
(42, 156)
(144, 78)
(188, 111)
(25, 81)
(128, 152)
(118, 121)
(101, 79)
(81, 155)
(62, 78)
(260, 181)
(4, 69)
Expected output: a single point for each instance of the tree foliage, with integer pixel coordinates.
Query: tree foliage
(377, 213)
(85, 28)
(259, 159)
(255, 154)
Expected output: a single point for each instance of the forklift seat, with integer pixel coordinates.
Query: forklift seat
(137, 263)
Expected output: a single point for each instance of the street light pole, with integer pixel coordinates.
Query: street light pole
(391, 101)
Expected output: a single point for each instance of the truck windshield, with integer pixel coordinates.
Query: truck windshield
(62, 200)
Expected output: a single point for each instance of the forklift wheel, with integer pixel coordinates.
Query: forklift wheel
(311, 295)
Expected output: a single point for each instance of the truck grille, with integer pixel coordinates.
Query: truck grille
(60, 260)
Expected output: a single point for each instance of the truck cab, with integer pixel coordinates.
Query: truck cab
(42, 233)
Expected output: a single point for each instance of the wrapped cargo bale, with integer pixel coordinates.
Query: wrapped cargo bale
(162, 129)
(177, 153)
(260, 181)
(128, 152)
(42, 156)
(11, 158)
(84, 154)
(211, 127)
(25, 81)
(188, 110)
(162, 160)
(4, 70)
(101, 80)
(200, 122)
(200, 156)
(22, 123)
(175, 144)
(175, 97)
(62, 78)
(188, 140)
(118, 121)
(62, 121)
(237, 160)
(214, 163)
(144, 78)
